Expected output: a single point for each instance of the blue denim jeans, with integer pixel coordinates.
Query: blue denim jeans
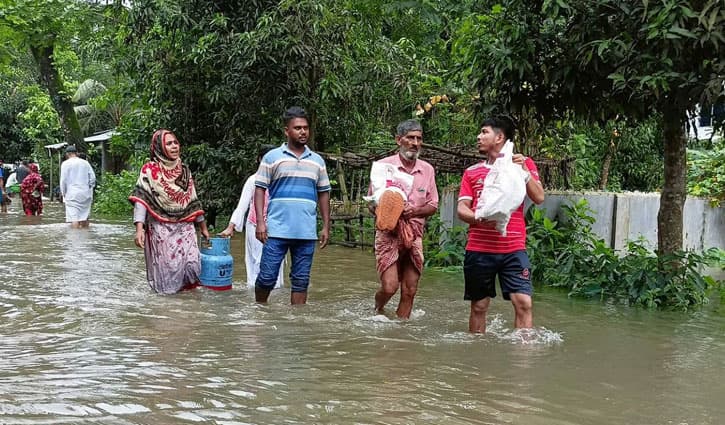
(302, 251)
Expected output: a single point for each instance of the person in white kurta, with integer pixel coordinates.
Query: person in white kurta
(77, 181)
(252, 247)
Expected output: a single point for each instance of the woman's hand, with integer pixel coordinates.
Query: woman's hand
(228, 232)
(204, 230)
(140, 237)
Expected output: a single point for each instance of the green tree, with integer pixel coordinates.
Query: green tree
(221, 73)
(601, 59)
(41, 26)
(14, 101)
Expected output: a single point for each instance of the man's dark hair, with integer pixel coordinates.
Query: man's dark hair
(263, 149)
(501, 123)
(292, 113)
(407, 126)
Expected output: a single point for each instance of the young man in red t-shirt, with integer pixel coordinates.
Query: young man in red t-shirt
(489, 254)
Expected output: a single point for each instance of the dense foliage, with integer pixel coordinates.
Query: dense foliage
(707, 174)
(113, 199)
(444, 248)
(603, 59)
(569, 255)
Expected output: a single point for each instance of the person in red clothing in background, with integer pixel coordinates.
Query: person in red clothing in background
(31, 191)
(488, 253)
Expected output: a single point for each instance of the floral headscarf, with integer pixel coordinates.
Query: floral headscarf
(165, 186)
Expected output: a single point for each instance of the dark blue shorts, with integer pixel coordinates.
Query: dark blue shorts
(480, 270)
(273, 253)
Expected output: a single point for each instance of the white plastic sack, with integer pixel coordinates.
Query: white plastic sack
(503, 191)
(387, 177)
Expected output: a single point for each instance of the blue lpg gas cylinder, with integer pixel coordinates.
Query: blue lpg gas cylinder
(217, 264)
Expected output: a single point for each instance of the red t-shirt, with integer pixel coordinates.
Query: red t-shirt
(482, 238)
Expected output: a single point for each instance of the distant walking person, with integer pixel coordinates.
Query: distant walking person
(22, 171)
(399, 252)
(4, 199)
(165, 211)
(77, 181)
(488, 253)
(31, 192)
(297, 182)
(252, 246)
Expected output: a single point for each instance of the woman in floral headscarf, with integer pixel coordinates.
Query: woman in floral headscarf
(165, 211)
(31, 191)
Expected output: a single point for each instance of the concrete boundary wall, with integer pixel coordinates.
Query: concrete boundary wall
(622, 217)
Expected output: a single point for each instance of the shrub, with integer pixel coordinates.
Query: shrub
(568, 254)
(706, 174)
(112, 194)
(445, 252)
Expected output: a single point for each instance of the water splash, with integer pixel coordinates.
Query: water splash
(532, 336)
(417, 314)
(381, 318)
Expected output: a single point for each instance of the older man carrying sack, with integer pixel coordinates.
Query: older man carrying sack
(77, 181)
(400, 222)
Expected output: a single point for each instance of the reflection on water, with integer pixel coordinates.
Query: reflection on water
(83, 340)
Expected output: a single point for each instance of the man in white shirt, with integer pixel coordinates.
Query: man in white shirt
(77, 181)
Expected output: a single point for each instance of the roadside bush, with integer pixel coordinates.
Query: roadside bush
(447, 253)
(568, 254)
(111, 198)
(706, 174)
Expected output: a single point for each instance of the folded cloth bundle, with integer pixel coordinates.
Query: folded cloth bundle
(390, 206)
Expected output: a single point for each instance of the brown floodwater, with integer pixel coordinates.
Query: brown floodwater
(83, 340)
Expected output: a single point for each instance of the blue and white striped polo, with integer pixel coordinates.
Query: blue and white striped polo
(293, 184)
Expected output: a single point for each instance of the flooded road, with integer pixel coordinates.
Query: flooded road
(83, 340)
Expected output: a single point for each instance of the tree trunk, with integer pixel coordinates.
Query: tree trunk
(313, 79)
(607, 164)
(672, 200)
(343, 187)
(50, 79)
(316, 143)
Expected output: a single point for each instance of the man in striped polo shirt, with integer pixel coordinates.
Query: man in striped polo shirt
(297, 181)
(488, 253)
